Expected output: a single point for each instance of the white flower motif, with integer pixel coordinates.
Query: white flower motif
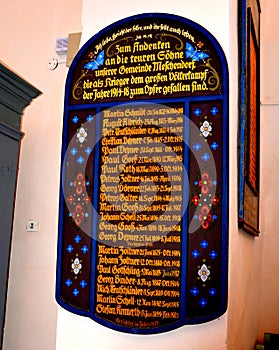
(204, 273)
(205, 128)
(81, 135)
(76, 266)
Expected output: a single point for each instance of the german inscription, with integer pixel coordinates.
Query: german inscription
(147, 61)
(139, 237)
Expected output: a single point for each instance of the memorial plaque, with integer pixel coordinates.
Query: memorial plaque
(142, 245)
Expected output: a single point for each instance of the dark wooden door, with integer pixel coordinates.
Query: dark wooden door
(15, 95)
(9, 144)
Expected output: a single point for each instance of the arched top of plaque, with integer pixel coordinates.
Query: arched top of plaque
(143, 215)
(144, 57)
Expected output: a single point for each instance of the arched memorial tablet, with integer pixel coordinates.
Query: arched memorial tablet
(143, 221)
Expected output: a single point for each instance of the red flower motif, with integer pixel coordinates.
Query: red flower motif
(86, 199)
(205, 217)
(79, 200)
(215, 200)
(78, 214)
(205, 183)
(70, 199)
(196, 200)
(79, 183)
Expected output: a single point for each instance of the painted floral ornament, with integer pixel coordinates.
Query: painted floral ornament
(76, 266)
(204, 273)
(81, 135)
(206, 128)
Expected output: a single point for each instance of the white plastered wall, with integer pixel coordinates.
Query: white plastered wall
(269, 317)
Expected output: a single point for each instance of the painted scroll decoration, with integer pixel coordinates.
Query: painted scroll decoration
(142, 244)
